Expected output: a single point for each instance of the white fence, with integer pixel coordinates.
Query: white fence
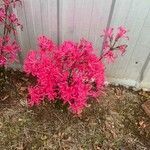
(74, 19)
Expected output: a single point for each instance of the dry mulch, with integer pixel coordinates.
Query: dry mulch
(117, 122)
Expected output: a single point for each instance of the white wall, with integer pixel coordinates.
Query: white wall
(73, 19)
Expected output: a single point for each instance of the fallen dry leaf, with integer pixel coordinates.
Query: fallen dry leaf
(23, 88)
(1, 125)
(5, 97)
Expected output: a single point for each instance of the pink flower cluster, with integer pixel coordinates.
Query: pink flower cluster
(71, 73)
(8, 21)
(11, 2)
(8, 51)
(110, 44)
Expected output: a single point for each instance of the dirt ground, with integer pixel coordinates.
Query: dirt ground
(117, 122)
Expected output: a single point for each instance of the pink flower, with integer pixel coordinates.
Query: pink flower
(8, 48)
(121, 33)
(6, 39)
(85, 45)
(110, 56)
(7, 2)
(110, 44)
(122, 48)
(13, 18)
(45, 44)
(2, 14)
(35, 95)
(108, 32)
(106, 46)
(2, 60)
(68, 46)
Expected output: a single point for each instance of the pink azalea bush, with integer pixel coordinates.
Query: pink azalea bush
(8, 45)
(71, 73)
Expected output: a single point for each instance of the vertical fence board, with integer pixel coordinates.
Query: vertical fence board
(38, 17)
(145, 84)
(84, 18)
(49, 18)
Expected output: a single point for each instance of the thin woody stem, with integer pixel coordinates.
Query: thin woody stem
(71, 70)
(112, 48)
(104, 55)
